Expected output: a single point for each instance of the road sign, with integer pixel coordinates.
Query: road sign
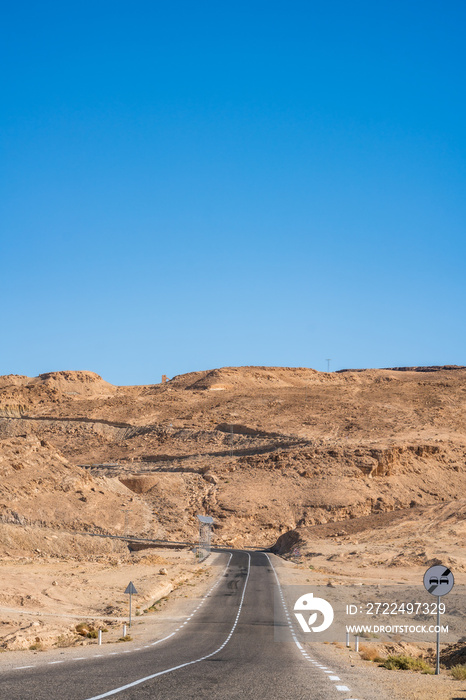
(438, 580)
(130, 590)
(207, 519)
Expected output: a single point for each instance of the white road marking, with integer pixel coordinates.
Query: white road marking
(55, 662)
(162, 640)
(188, 663)
(18, 668)
(343, 688)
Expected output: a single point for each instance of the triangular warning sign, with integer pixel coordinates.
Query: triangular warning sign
(131, 589)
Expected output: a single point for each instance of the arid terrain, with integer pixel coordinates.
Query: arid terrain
(263, 450)
(359, 475)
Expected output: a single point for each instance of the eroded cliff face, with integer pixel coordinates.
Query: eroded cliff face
(403, 539)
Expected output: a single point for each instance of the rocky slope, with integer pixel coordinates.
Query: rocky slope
(264, 450)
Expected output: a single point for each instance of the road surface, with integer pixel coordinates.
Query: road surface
(225, 649)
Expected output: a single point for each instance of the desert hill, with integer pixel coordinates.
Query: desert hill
(65, 382)
(265, 450)
(39, 487)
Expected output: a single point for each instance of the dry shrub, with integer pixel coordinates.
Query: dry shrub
(64, 641)
(406, 663)
(85, 629)
(369, 653)
(459, 672)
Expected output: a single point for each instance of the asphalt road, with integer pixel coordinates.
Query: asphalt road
(226, 649)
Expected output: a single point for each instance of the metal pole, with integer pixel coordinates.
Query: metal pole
(100, 637)
(130, 596)
(347, 639)
(356, 645)
(124, 630)
(437, 665)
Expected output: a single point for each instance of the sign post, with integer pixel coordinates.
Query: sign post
(438, 581)
(205, 533)
(130, 590)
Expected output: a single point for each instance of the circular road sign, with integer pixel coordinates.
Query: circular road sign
(438, 580)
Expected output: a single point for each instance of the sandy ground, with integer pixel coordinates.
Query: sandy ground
(397, 684)
(42, 603)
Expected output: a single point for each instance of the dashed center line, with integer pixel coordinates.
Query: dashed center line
(188, 663)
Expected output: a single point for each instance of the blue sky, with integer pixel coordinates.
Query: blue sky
(192, 185)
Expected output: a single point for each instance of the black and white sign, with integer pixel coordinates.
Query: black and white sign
(438, 580)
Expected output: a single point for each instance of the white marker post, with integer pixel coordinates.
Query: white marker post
(130, 590)
(438, 581)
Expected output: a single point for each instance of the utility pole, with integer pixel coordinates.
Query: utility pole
(328, 361)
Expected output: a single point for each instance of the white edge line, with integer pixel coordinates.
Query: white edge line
(342, 688)
(188, 663)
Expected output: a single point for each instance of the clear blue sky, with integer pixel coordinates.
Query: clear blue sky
(188, 185)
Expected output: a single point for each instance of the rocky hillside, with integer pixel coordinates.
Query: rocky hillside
(264, 450)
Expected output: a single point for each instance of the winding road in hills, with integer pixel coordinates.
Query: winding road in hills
(225, 648)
